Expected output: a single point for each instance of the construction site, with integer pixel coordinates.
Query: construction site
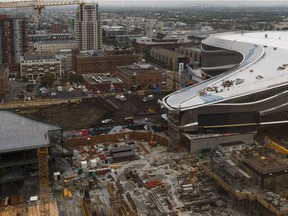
(131, 172)
(109, 155)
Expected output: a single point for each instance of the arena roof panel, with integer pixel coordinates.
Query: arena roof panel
(19, 133)
(264, 66)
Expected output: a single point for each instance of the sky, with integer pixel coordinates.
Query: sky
(164, 3)
(147, 2)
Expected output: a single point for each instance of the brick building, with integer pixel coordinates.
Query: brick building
(144, 44)
(97, 62)
(141, 76)
(102, 83)
(58, 28)
(34, 65)
(13, 40)
(169, 58)
(4, 71)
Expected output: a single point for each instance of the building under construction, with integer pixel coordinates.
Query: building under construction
(20, 140)
(254, 178)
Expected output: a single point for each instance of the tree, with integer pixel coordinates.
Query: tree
(48, 79)
(74, 77)
(24, 79)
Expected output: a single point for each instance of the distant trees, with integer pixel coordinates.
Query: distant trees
(72, 77)
(48, 79)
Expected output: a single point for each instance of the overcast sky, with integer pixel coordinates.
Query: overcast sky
(183, 2)
(190, 1)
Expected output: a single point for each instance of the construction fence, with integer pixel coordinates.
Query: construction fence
(109, 138)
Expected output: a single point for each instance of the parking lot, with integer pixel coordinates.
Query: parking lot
(21, 90)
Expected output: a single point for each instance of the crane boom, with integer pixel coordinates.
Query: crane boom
(38, 3)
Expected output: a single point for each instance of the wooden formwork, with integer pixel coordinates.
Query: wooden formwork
(29, 209)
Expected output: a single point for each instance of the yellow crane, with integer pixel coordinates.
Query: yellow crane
(44, 180)
(38, 5)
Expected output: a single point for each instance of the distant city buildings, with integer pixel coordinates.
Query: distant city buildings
(48, 36)
(113, 30)
(34, 65)
(14, 40)
(88, 27)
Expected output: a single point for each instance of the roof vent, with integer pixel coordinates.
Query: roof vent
(266, 35)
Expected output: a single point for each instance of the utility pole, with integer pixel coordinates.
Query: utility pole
(174, 75)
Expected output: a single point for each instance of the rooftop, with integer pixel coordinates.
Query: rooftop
(38, 55)
(264, 65)
(18, 133)
(57, 42)
(142, 68)
(100, 78)
(266, 163)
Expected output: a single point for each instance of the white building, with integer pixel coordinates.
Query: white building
(34, 65)
(88, 27)
(55, 46)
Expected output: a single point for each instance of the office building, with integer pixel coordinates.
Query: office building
(88, 27)
(14, 40)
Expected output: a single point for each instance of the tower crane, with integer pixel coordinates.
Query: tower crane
(38, 5)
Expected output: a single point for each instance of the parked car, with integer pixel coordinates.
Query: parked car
(148, 98)
(122, 98)
(107, 121)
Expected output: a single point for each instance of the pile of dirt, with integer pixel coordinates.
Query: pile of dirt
(72, 116)
(89, 113)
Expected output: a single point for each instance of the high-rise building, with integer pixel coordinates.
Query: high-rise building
(88, 27)
(14, 40)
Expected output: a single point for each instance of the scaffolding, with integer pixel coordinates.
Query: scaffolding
(43, 180)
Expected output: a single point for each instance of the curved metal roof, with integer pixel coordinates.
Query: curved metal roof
(264, 65)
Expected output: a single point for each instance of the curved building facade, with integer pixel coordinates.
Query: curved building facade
(250, 87)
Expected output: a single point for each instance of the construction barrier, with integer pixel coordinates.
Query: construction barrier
(37, 103)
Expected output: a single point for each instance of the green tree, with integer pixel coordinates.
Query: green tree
(48, 79)
(74, 77)
(24, 79)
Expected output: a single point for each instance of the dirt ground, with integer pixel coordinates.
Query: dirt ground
(90, 112)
